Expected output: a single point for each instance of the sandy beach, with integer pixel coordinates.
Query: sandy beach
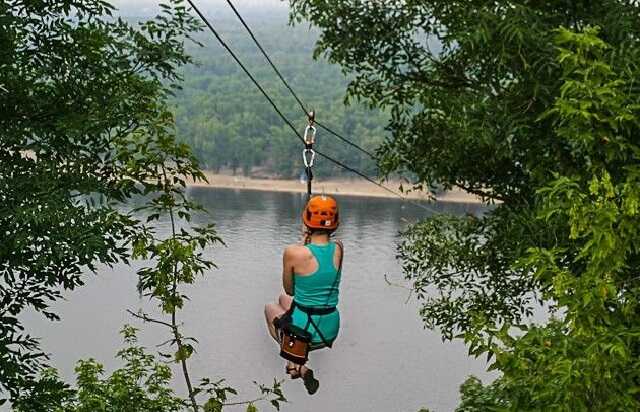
(344, 187)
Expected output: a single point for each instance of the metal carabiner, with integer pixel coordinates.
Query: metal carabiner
(310, 135)
(308, 162)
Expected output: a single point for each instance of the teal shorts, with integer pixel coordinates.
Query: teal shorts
(329, 325)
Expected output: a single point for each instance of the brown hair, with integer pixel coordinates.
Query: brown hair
(312, 231)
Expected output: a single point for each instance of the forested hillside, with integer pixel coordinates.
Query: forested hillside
(230, 125)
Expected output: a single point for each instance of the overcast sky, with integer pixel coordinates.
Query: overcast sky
(219, 7)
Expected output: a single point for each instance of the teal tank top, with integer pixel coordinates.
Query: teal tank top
(319, 289)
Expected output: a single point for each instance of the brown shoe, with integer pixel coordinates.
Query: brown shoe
(310, 382)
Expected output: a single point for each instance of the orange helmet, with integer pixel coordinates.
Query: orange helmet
(321, 212)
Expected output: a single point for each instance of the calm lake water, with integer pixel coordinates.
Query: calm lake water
(383, 359)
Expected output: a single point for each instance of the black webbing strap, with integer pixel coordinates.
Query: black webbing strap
(315, 310)
(309, 179)
(322, 338)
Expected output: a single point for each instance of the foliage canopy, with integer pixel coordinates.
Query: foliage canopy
(533, 105)
(87, 134)
(84, 124)
(141, 384)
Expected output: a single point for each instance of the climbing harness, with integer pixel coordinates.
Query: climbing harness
(308, 154)
(295, 342)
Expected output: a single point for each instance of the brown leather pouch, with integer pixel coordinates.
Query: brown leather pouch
(294, 345)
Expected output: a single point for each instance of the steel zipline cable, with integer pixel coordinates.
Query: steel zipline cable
(286, 84)
(287, 121)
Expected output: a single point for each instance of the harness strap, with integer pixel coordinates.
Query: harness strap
(315, 310)
(309, 311)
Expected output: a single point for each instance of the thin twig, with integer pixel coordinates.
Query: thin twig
(480, 193)
(166, 342)
(397, 285)
(146, 318)
(262, 398)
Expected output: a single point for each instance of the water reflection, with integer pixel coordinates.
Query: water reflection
(383, 360)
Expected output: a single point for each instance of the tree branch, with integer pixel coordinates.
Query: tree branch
(262, 398)
(479, 192)
(149, 319)
(174, 292)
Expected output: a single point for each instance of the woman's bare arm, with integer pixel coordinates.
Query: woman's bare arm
(287, 270)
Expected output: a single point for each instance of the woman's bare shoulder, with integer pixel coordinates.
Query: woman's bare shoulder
(296, 250)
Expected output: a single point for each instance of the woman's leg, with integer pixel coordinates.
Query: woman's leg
(275, 310)
(272, 311)
(306, 373)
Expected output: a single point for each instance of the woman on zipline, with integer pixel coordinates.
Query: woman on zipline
(311, 278)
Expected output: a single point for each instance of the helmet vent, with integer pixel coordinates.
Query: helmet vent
(321, 212)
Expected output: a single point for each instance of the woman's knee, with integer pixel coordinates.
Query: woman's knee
(272, 310)
(285, 301)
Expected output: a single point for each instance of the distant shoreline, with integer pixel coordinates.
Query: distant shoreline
(342, 187)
